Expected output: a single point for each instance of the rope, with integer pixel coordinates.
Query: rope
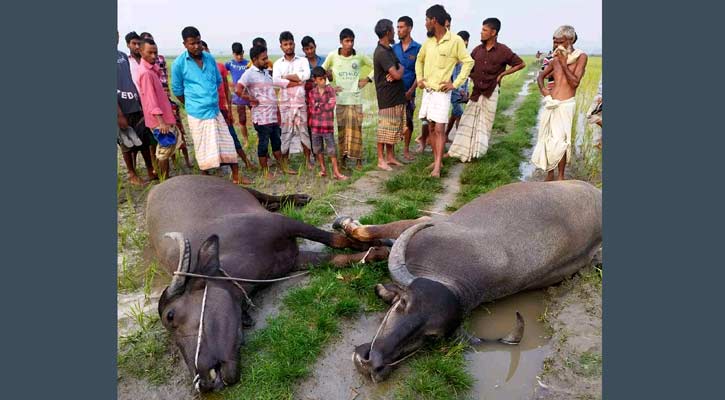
(230, 278)
(198, 338)
(246, 296)
(366, 255)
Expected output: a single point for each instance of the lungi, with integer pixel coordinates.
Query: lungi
(349, 130)
(391, 121)
(554, 139)
(294, 129)
(474, 129)
(213, 145)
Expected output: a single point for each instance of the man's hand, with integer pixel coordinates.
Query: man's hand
(338, 89)
(389, 78)
(164, 127)
(447, 86)
(292, 84)
(362, 82)
(421, 83)
(408, 95)
(253, 101)
(499, 78)
(122, 121)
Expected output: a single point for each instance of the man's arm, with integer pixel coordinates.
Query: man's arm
(327, 65)
(467, 61)
(420, 79)
(518, 64)
(574, 78)
(540, 80)
(122, 121)
(177, 80)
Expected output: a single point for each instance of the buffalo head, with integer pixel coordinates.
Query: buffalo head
(421, 309)
(210, 349)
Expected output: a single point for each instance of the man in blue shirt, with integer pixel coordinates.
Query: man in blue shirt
(194, 81)
(407, 52)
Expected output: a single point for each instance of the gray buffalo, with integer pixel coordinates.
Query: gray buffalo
(518, 237)
(233, 233)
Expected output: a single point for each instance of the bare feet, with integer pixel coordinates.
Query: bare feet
(359, 165)
(384, 166)
(244, 181)
(323, 173)
(310, 166)
(408, 157)
(436, 173)
(393, 161)
(250, 166)
(420, 147)
(290, 172)
(136, 181)
(340, 177)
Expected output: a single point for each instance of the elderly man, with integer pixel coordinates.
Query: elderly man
(433, 68)
(194, 81)
(491, 59)
(290, 72)
(553, 147)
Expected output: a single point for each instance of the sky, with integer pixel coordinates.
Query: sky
(526, 25)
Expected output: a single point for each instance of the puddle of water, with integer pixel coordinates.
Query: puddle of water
(505, 371)
(527, 169)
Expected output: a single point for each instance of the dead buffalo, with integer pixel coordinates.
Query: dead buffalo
(518, 237)
(232, 233)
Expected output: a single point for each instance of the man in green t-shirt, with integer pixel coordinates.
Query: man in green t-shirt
(343, 67)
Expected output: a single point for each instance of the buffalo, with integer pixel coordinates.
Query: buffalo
(518, 237)
(233, 233)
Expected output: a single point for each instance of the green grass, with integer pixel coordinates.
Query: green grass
(587, 161)
(276, 357)
(145, 353)
(439, 374)
(590, 364)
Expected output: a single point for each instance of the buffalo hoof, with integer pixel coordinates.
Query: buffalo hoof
(344, 223)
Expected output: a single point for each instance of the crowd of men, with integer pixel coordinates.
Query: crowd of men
(295, 101)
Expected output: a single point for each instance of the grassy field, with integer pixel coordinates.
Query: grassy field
(278, 356)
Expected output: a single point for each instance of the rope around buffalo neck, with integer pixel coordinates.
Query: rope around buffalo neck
(198, 338)
(231, 278)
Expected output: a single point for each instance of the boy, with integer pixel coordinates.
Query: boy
(236, 66)
(460, 95)
(158, 115)
(321, 100)
(343, 66)
(258, 84)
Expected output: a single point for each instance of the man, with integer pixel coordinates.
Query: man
(309, 47)
(225, 107)
(344, 66)
(290, 73)
(236, 67)
(491, 59)
(158, 115)
(164, 76)
(553, 147)
(132, 133)
(194, 81)
(390, 92)
(437, 57)
(407, 52)
(460, 95)
(259, 87)
(133, 42)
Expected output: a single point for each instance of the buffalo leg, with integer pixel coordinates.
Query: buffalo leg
(307, 258)
(274, 203)
(367, 233)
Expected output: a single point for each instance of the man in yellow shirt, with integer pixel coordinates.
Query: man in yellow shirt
(433, 68)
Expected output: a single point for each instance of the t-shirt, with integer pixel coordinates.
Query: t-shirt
(346, 74)
(407, 58)
(389, 93)
(237, 70)
(127, 94)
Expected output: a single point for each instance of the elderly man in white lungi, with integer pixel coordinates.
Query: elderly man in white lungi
(491, 59)
(291, 72)
(553, 146)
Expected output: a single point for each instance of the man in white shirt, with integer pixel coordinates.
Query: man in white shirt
(290, 73)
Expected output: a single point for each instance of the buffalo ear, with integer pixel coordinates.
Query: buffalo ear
(388, 292)
(208, 260)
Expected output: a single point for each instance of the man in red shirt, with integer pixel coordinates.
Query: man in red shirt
(158, 115)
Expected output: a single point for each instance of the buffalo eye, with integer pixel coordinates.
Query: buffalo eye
(170, 316)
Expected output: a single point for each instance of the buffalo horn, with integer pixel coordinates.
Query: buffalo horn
(178, 281)
(396, 261)
(515, 336)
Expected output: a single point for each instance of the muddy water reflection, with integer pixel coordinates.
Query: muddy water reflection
(504, 371)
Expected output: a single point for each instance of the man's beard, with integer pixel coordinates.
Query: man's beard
(431, 33)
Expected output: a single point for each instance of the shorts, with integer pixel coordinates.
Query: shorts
(136, 121)
(457, 109)
(326, 141)
(164, 153)
(435, 106)
(409, 109)
(267, 133)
